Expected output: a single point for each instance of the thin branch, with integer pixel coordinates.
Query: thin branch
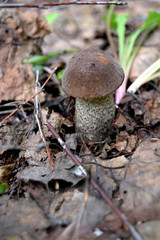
(24, 115)
(37, 116)
(55, 79)
(64, 146)
(47, 4)
(123, 218)
(106, 167)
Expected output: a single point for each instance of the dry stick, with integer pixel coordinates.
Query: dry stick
(46, 5)
(20, 106)
(37, 116)
(24, 115)
(123, 218)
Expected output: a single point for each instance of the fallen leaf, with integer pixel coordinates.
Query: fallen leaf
(125, 142)
(149, 230)
(62, 174)
(72, 208)
(21, 219)
(56, 120)
(5, 172)
(33, 24)
(116, 165)
(145, 57)
(152, 113)
(141, 186)
(11, 84)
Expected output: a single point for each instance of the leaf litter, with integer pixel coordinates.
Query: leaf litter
(48, 204)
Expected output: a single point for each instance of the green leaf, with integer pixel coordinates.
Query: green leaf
(129, 47)
(3, 188)
(149, 74)
(129, 44)
(51, 17)
(121, 21)
(60, 73)
(152, 19)
(39, 59)
(37, 67)
(113, 23)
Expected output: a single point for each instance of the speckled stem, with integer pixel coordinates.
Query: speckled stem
(93, 117)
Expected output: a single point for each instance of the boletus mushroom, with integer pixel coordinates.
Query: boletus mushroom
(92, 76)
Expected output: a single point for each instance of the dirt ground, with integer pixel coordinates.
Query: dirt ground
(46, 196)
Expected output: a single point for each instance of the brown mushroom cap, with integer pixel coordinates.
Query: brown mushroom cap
(92, 73)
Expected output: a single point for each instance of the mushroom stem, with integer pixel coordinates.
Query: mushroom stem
(93, 117)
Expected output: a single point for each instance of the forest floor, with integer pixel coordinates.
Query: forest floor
(42, 203)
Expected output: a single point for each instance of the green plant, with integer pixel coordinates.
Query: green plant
(59, 74)
(149, 74)
(50, 18)
(40, 59)
(128, 47)
(3, 188)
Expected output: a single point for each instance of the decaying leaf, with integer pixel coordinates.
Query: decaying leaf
(125, 142)
(20, 218)
(149, 230)
(56, 120)
(11, 84)
(145, 57)
(43, 173)
(5, 172)
(152, 114)
(72, 207)
(123, 121)
(141, 186)
(33, 25)
(116, 167)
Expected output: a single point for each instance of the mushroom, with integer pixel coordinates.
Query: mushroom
(92, 76)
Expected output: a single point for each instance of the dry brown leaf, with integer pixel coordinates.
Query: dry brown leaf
(152, 114)
(72, 206)
(56, 120)
(149, 230)
(5, 172)
(123, 121)
(42, 173)
(125, 142)
(11, 84)
(145, 57)
(120, 121)
(117, 166)
(21, 219)
(33, 24)
(141, 186)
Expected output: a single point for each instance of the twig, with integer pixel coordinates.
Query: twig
(24, 115)
(64, 146)
(20, 106)
(37, 116)
(47, 4)
(105, 167)
(55, 79)
(123, 218)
